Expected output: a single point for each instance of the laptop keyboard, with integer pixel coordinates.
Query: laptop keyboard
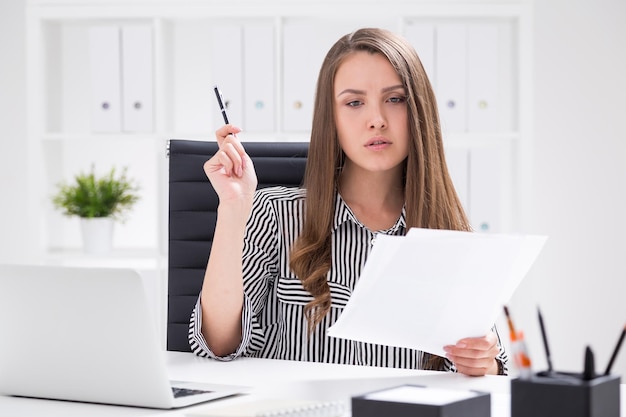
(186, 392)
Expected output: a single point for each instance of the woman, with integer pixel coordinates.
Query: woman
(285, 261)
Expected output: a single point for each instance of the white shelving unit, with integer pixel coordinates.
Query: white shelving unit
(265, 57)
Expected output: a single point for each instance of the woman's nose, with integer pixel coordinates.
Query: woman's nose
(377, 119)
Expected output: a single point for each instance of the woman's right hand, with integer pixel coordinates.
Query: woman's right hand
(232, 175)
(231, 170)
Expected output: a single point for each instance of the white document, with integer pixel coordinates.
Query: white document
(431, 288)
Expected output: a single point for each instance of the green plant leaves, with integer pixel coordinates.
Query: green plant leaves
(92, 196)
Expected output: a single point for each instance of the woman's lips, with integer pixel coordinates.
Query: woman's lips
(377, 143)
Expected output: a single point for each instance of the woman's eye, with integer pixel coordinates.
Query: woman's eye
(397, 99)
(354, 103)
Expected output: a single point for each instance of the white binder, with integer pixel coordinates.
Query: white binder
(193, 110)
(302, 57)
(104, 54)
(451, 76)
(482, 69)
(137, 75)
(258, 62)
(485, 189)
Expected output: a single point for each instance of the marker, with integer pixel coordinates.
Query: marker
(220, 102)
(520, 353)
(590, 368)
(615, 351)
(545, 341)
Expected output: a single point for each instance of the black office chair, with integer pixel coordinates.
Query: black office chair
(193, 212)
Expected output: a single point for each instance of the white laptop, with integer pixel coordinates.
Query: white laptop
(83, 334)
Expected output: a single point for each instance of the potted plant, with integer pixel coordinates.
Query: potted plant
(98, 201)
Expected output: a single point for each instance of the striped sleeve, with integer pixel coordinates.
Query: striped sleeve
(259, 269)
(260, 250)
(198, 343)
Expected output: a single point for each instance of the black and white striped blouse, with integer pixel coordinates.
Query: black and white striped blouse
(273, 321)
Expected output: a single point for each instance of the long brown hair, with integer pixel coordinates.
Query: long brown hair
(430, 198)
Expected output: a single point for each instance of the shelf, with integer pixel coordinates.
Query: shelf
(139, 259)
(480, 139)
(62, 49)
(195, 9)
(99, 137)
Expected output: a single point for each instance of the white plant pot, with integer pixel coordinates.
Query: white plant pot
(97, 235)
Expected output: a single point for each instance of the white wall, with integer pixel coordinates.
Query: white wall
(13, 145)
(579, 182)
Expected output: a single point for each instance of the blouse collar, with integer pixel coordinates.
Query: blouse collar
(343, 213)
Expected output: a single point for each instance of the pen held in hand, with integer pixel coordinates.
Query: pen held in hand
(220, 102)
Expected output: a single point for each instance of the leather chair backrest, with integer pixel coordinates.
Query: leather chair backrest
(193, 212)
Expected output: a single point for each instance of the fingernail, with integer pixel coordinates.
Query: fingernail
(461, 345)
(447, 348)
(239, 171)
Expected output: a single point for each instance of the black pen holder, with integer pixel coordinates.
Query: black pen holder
(565, 394)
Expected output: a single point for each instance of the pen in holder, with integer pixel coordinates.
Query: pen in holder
(518, 347)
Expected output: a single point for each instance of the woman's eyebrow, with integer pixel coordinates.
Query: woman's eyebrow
(351, 91)
(394, 87)
(384, 90)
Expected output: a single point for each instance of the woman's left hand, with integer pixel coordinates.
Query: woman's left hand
(475, 356)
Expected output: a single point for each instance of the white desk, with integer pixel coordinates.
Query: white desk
(271, 378)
